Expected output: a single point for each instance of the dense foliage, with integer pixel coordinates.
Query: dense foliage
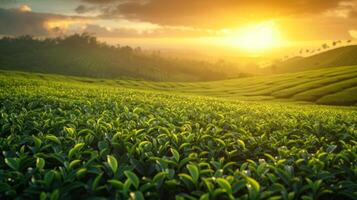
(83, 55)
(62, 140)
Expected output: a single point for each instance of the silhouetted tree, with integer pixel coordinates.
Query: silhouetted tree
(325, 46)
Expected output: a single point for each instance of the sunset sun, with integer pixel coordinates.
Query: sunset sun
(255, 37)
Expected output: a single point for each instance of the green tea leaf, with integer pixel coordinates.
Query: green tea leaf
(133, 178)
(12, 163)
(49, 176)
(137, 195)
(53, 138)
(74, 163)
(43, 196)
(175, 154)
(253, 183)
(40, 163)
(223, 183)
(115, 183)
(195, 174)
(37, 141)
(75, 149)
(113, 163)
(55, 195)
(205, 197)
(96, 181)
(241, 143)
(159, 177)
(81, 172)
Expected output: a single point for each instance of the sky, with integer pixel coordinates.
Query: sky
(249, 26)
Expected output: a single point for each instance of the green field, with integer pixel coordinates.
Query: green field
(331, 86)
(69, 137)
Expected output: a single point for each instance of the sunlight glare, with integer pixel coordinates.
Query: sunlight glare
(255, 37)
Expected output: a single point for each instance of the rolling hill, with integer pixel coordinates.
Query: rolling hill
(331, 86)
(82, 55)
(342, 56)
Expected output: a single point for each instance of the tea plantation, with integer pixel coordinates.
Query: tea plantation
(328, 86)
(69, 140)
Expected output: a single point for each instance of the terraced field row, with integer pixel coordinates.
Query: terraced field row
(334, 86)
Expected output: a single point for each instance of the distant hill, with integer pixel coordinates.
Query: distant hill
(343, 56)
(83, 55)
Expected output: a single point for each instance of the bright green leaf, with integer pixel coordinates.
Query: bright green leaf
(113, 163)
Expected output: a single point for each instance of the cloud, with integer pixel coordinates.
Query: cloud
(81, 9)
(162, 31)
(211, 13)
(17, 22)
(101, 1)
(25, 8)
(345, 9)
(353, 33)
(22, 21)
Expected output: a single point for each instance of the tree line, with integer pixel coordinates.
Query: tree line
(83, 55)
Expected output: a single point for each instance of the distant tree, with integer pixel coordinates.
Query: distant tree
(80, 40)
(137, 50)
(325, 46)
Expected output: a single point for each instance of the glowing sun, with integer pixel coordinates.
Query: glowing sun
(256, 37)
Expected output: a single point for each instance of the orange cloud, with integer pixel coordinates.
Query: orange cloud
(25, 8)
(353, 33)
(212, 13)
(62, 26)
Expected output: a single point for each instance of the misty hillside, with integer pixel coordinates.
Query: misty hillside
(83, 55)
(343, 56)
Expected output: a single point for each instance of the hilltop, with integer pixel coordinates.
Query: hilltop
(342, 56)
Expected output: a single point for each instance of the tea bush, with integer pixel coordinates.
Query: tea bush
(64, 140)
